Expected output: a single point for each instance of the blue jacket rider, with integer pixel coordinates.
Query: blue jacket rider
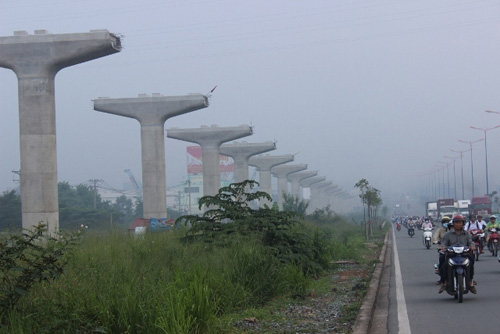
(459, 236)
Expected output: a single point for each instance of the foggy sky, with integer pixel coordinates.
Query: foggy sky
(380, 90)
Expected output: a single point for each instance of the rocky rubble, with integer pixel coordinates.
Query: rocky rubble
(328, 313)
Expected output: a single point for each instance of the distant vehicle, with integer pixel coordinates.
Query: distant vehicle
(446, 207)
(463, 207)
(480, 206)
(431, 210)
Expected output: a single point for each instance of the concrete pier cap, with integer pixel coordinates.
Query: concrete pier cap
(316, 188)
(264, 163)
(327, 191)
(307, 182)
(152, 112)
(295, 179)
(153, 109)
(210, 139)
(282, 172)
(52, 52)
(36, 59)
(241, 152)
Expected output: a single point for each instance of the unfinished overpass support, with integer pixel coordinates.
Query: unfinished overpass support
(210, 139)
(316, 194)
(264, 163)
(241, 152)
(282, 172)
(307, 182)
(36, 59)
(152, 112)
(295, 179)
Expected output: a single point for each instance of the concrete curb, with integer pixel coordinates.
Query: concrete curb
(366, 311)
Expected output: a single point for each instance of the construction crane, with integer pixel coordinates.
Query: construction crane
(137, 188)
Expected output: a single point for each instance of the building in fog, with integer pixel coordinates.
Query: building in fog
(189, 193)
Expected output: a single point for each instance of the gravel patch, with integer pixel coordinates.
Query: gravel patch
(329, 313)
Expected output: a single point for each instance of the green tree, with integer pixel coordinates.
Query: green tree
(294, 204)
(81, 205)
(230, 213)
(370, 197)
(139, 208)
(10, 210)
(124, 207)
(30, 258)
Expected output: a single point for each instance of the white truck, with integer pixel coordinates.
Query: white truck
(431, 211)
(463, 207)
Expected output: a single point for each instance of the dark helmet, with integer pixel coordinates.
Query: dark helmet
(459, 218)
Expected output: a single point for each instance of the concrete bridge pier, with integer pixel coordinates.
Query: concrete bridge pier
(210, 139)
(327, 198)
(264, 163)
(307, 182)
(295, 179)
(241, 152)
(36, 59)
(316, 194)
(282, 172)
(152, 112)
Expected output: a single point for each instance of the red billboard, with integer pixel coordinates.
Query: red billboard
(195, 161)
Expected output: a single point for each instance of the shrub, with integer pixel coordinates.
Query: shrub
(30, 258)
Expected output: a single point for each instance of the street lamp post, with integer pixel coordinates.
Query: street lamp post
(441, 168)
(447, 164)
(454, 174)
(462, 167)
(486, 153)
(470, 142)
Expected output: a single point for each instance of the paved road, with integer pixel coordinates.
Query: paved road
(414, 303)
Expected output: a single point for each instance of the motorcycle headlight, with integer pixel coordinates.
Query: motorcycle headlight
(459, 261)
(458, 250)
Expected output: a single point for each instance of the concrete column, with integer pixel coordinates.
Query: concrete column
(306, 183)
(210, 139)
(241, 152)
(295, 179)
(327, 195)
(36, 59)
(315, 197)
(264, 163)
(152, 113)
(282, 172)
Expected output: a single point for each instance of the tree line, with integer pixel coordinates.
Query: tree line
(77, 205)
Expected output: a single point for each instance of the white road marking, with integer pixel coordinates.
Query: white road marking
(403, 321)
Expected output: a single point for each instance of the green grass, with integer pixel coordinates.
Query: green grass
(116, 283)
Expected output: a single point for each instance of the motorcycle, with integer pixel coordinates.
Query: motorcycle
(411, 231)
(458, 266)
(493, 242)
(427, 237)
(398, 226)
(476, 238)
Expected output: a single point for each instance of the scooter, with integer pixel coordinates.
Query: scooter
(398, 226)
(411, 231)
(493, 242)
(476, 238)
(427, 237)
(458, 266)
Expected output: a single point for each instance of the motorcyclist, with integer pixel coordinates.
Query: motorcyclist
(491, 225)
(479, 224)
(427, 223)
(458, 236)
(411, 226)
(436, 238)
